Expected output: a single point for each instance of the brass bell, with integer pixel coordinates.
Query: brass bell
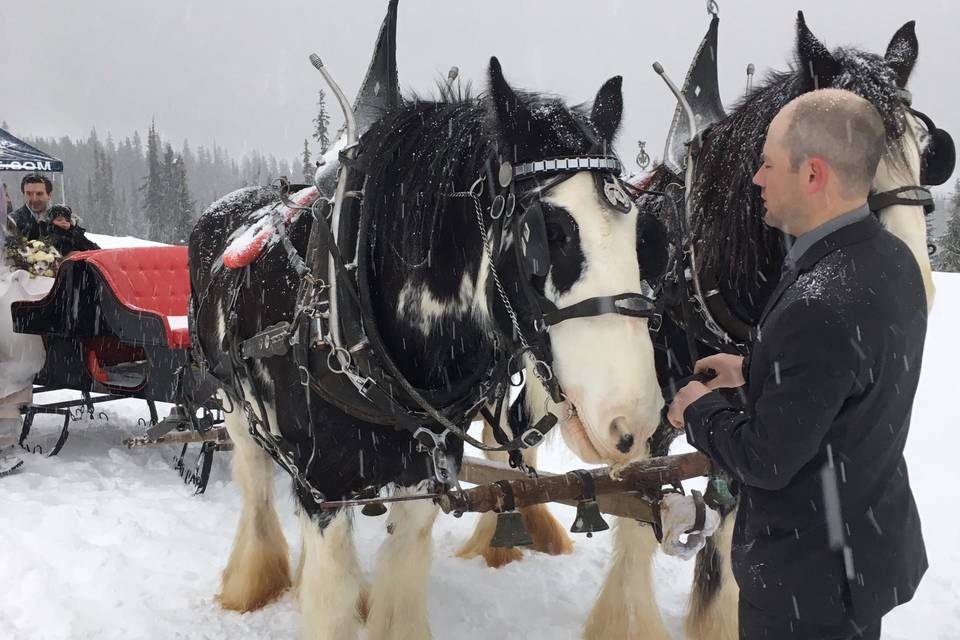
(588, 519)
(373, 509)
(511, 532)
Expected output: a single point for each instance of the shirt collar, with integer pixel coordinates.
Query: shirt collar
(810, 238)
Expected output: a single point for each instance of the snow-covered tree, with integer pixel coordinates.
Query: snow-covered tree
(321, 123)
(305, 163)
(947, 257)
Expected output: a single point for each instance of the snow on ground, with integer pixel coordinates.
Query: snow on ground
(117, 242)
(104, 542)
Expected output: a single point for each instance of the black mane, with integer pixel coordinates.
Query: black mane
(728, 223)
(414, 157)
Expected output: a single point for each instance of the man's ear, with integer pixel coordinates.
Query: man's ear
(818, 173)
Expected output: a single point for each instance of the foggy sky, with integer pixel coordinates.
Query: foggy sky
(235, 72)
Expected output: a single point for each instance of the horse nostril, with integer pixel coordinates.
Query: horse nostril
(625, 444)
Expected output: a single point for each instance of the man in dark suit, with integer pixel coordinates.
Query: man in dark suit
(36, 190)
(827, 537)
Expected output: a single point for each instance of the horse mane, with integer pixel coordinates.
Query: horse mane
(733, 241)
(420, 152)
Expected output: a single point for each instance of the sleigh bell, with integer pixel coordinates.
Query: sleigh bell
(510, 532)
(373, 509)
(588, 519)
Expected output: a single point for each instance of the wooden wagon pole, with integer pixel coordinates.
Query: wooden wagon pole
(619, 495)
(217, 434)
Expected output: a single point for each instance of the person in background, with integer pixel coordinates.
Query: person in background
(36, 190)
(827, 537)
(63, 230)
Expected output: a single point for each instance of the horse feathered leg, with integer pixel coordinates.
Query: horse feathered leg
(626, 608)
(398, 599)
(259, 569)
(332, 591)
(713, 601)
(548, 535)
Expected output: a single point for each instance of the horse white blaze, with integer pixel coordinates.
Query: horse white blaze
(605, 364)
(907, 222)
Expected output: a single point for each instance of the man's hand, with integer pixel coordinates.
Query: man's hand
(729, 370)
(62, 222)
(684, 398)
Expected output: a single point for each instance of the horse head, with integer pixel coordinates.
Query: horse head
(746, 262)
(918, 153)
(584, 230)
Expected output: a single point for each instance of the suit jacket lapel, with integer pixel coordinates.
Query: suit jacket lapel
(850, 234)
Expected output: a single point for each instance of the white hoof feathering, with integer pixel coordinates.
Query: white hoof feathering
(626, 608)
(398, 597)
(331, 584)
(258, 571)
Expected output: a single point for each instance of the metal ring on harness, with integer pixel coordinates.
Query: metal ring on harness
(341, 364)
(543, 371)
(476, 189)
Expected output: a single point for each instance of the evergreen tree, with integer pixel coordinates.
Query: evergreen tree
(305, 162)
(183, 205)
(321, 124)
(153, 188)
(947, 257)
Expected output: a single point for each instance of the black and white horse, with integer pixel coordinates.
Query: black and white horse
(438, 311)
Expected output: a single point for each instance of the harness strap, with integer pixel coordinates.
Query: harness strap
(635, 305)
(912, 196)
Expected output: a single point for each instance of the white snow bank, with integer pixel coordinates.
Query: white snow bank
(107, 543)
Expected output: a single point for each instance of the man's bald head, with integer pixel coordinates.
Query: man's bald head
(840, 127)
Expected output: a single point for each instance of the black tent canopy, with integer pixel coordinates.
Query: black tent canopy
(17, 155)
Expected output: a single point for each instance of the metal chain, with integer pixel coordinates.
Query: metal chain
(493, 270)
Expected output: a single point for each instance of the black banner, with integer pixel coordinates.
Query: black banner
(17, 155)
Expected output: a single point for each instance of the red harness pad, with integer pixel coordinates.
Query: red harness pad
(254, 239)
(154, 280)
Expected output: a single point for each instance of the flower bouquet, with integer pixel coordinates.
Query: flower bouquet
(36, 257)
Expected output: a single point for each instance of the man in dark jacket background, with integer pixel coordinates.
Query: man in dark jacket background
(36, 219)
(827, 537)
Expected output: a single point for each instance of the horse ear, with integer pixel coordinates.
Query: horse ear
(511, 112)
(902, 52)
(817, 63)
(608, 108)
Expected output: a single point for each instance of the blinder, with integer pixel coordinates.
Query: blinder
(533, 248)
(940, 156)
(533, 239)
(652, 250)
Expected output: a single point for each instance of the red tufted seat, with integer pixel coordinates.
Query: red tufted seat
(150, 279)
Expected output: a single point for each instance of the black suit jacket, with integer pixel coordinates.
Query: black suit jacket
(26, 223)
(832, 375)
